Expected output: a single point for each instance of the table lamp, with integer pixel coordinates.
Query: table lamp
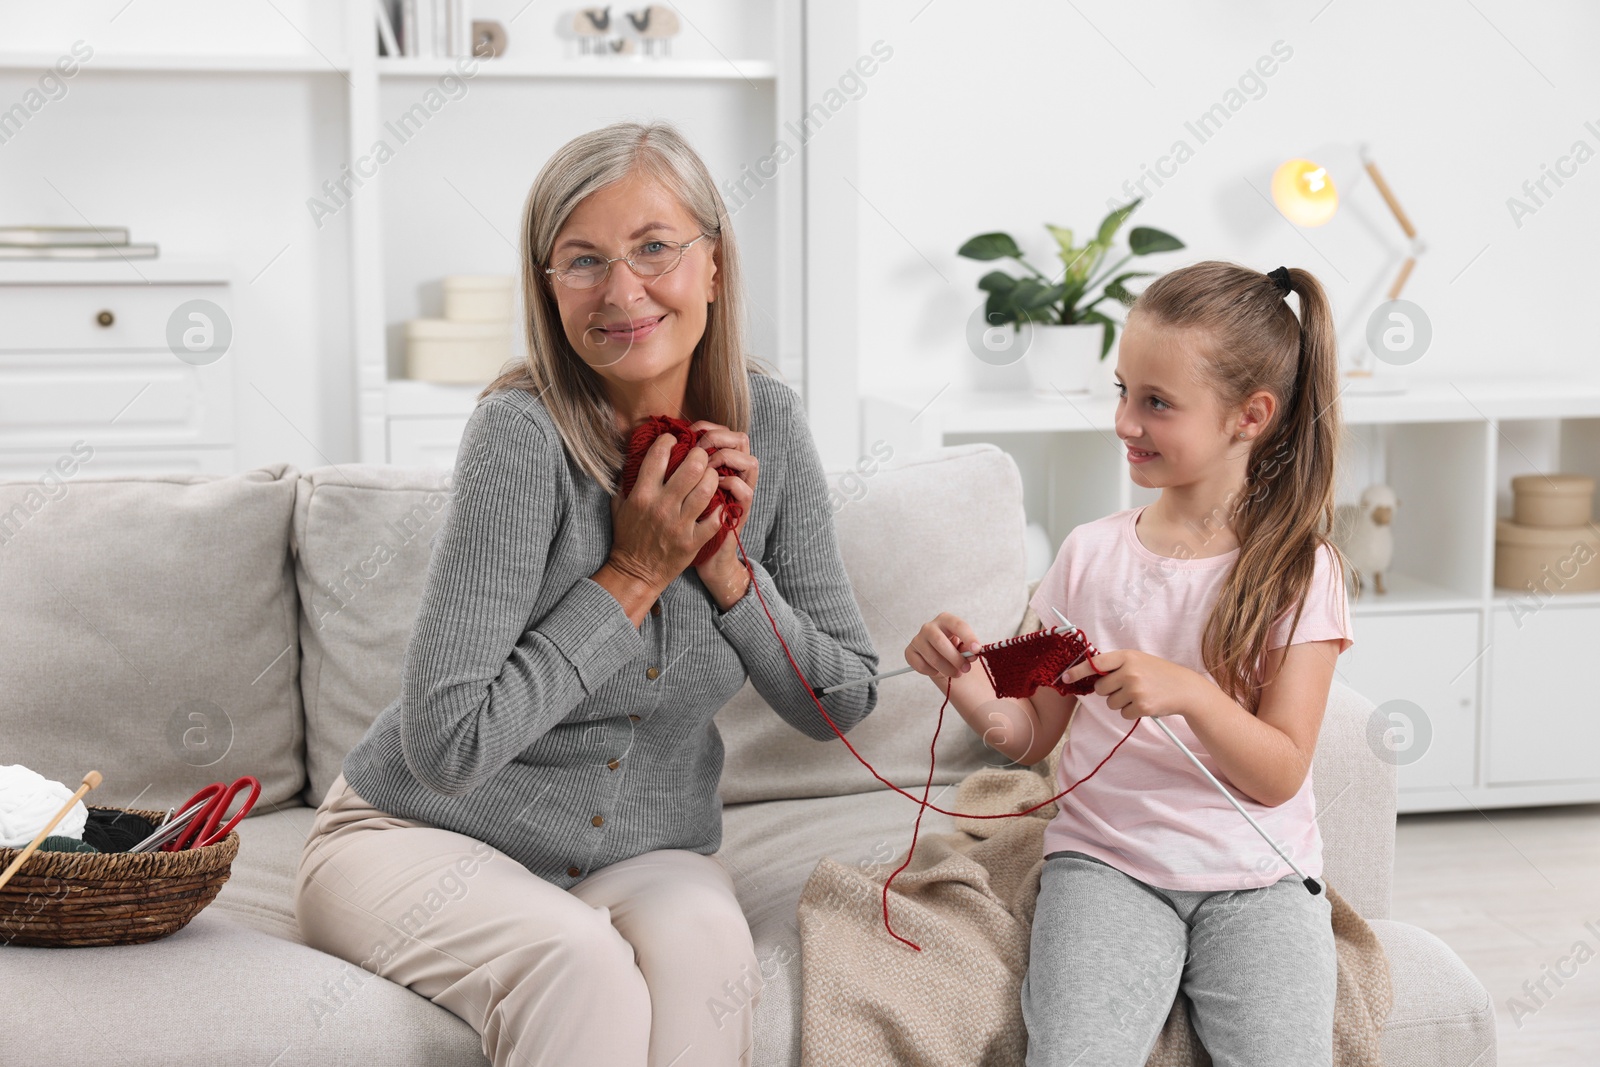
(1306, 191)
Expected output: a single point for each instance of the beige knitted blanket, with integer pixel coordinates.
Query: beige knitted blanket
(968, 900)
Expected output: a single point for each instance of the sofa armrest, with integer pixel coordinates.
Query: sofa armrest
(1355, 791)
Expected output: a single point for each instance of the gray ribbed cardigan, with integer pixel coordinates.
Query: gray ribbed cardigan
(526, 716)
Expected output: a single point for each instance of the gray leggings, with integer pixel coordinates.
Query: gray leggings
(1109, 953)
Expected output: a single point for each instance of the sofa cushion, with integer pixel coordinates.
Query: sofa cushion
(362, 537)
(150, 632)
(217, 992)
(1356, 794)
(771, 848)
(931, 532)
(259, 892)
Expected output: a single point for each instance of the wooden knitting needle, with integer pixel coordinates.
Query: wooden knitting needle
(90, 781)
(1311, 883)
(817, 691)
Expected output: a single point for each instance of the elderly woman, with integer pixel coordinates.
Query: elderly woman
(527, 834)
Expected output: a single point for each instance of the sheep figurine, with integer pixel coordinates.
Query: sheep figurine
(1364, 532)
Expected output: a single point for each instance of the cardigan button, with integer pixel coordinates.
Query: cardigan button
(613, 764)
(573, 872)
(597, 820)
(633, 718)
(655, 609)
(653, 673)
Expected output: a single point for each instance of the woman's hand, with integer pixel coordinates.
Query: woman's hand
(656, 530)
(1137, 683)
(723, 573)
(936, 649)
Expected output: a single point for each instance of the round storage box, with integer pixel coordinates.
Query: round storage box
(456, 353)
(1551, 499)
(478, 297)
(1552, 559)
(81, 899)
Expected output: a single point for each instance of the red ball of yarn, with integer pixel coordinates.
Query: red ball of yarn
(644, 435)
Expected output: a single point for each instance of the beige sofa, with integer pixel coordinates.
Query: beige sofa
(173, 631)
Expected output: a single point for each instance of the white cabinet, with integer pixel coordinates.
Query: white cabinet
(1426, 719)
(1544, 726)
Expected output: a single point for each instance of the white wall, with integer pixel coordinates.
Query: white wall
(1006, 115)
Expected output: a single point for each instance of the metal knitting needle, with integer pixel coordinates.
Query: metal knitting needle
(1311, 883)
(817, 691)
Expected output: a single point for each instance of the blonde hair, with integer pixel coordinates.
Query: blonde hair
(718, 388)
(1250, 339)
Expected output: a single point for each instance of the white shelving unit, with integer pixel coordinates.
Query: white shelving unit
(1501, 675)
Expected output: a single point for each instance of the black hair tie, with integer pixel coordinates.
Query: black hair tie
(1280, 278)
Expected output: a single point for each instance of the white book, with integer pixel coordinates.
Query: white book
(139, 251)
(425, 27)
(460, 28)
(56, 236)
(408, 27)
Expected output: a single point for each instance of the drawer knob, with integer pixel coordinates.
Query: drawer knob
(105, 318)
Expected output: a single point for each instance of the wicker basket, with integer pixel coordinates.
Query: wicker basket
(79, 899)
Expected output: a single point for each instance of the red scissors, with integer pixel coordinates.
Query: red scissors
(214, 801)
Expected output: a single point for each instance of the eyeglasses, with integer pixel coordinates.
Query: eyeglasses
(650, 260)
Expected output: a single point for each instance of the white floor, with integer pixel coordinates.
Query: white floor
(1516, 893)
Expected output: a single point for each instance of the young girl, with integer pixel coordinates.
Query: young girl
(1221, 606)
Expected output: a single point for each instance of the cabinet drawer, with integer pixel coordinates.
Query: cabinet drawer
(81, 461)
(1425, 660)
(1542, 722)
(48, 399)
(35, 318)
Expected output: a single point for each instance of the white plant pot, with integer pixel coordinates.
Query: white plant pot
(1062, 359)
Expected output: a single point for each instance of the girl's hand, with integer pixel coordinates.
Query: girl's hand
(936, 649)
(1137, 683)
(723, 574)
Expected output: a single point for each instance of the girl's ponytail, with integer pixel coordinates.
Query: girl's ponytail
(1250, 339)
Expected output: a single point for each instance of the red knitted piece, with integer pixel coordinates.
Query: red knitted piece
(1020, 665)
(644, 435)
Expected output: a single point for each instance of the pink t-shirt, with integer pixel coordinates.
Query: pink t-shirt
(1149, 812)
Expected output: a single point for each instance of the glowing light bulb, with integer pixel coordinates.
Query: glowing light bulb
(1304, 192)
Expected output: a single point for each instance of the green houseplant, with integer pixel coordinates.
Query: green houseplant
(1064, 314)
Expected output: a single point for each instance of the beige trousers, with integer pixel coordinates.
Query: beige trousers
(645, 963)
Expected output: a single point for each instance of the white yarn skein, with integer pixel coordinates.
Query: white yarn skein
(29, 800)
